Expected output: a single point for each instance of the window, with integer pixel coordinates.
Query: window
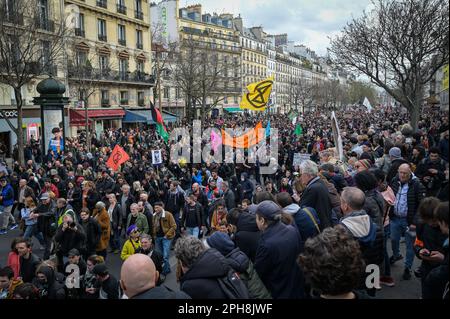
(121, 33)
(123, 69)
(166, 93)
(105, 95)
(140, 66)
(103, 62)
(124, 97)
(177, 93)
(45, 53)
(139, 40)
(79, 31)
(138, 14)
(235, 99)
(81, 57)
(140, 96)
(101, 24)
(43, 10)
(225, 100)
(121, 8)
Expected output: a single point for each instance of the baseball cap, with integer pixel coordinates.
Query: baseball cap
(45, 196)
(100, 269)
(268, 209)
(74, 252)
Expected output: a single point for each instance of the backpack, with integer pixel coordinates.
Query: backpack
(232, 286)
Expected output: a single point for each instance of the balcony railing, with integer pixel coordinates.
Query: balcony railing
(121, 9)
(80, 32)
(102, 4)
(102, 37)
(122, 42)
(108, 75)
(123, 101)
(45, 24)
(139, 15)
(105, 103)
(139, 46)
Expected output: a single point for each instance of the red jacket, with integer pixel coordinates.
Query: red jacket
(14, 263)
(52, 189)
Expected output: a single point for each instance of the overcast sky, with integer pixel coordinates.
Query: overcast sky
(308, 22)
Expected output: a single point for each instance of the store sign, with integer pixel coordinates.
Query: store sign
(8, 114)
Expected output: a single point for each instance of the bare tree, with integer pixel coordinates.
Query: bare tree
(163, 57)
(306, 93)
(201, 73)
(30, 46)
(399, 44)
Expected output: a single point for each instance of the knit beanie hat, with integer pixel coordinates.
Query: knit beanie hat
(395, 152)
(365, 163)
(131, 229)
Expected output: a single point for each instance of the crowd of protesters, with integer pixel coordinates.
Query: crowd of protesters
(305, 231)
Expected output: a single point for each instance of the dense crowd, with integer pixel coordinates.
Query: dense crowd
(305, 231)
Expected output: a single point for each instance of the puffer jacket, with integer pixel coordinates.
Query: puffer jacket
(416, 193)
(368, 234)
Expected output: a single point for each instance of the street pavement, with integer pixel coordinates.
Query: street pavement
(409, 289)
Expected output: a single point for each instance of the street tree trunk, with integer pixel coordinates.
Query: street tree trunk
(19, 131)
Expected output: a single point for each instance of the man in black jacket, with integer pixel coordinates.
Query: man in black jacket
(108, 284)
(192, 217)
(228, 196)
(125, 200)
(431, 172)
(92, 232)
(49, 287)
(46, 214)
(105, 185)
(315, 194)
(174, 202)
(28, 261)
(395, 155)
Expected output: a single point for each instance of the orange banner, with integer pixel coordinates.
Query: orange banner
(117, 158)
(249, 139)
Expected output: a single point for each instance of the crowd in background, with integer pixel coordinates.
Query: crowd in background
(278, 232)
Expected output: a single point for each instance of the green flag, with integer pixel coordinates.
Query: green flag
(298, 130)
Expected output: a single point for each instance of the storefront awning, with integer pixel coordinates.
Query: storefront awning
(233, 109)
(77, 117)
(134, 117)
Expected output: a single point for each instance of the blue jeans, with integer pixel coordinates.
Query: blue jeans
(387, 263)
(193, 231)
(163, 247)
(32, 230)
(398, 229)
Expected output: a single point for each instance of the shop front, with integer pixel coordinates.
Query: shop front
(98, 120)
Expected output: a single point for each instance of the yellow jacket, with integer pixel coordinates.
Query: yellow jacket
(129, 248)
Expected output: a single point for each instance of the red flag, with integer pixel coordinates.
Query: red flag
(117, 158)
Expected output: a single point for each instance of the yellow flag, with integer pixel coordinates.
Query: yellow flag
(258, 95)
(445, 78)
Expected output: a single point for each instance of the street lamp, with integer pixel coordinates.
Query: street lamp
(52, 101)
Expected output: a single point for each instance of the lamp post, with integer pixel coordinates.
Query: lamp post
(51, 99)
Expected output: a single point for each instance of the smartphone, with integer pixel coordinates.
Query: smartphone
(426, 254)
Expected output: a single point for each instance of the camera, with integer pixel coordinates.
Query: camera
(72, 225)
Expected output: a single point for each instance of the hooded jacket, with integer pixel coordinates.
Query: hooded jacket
(51, 289)
(70, 238)
(369, 236)
(247, 235)
(201, 280)
(305, 224)
(242, 264)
